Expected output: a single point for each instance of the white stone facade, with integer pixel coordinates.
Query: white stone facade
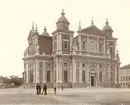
(87, 60)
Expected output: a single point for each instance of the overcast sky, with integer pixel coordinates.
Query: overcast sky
(16, 17)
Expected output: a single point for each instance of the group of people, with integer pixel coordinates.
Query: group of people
(39, 88)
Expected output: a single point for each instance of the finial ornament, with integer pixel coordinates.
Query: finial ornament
(62, 12)
(117, 56)
(36, 28)
(32, 25)
(107, 23)
(79, 25)
(45, 28)
(92, 23)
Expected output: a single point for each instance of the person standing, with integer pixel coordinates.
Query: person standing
(55, 89)
(40, 86)
(62, 87)
(45, 88)
(37, 90)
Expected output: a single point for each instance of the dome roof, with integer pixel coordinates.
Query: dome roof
(62, 19)
(29, 50)
(26, 52)
(45, 33)
(107, 27)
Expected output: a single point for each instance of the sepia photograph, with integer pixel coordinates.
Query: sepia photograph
(64, 52)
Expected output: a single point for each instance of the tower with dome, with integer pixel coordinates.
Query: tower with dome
(89, 59)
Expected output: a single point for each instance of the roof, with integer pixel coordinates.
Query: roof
(92, 30)
(126, 67)
(107, 27)
(45, 33)
(45, 44)
(62, 19)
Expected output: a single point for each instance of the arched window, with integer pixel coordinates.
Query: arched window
(48, 76)
(65, 76)
(77, 75)
(100, 47)
(83, 76)
(31, 76)
(92, 46)
(100, 76)
(83, 45)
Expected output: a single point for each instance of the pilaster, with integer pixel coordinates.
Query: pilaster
(97, 44)
(87, 43)
(79, 40)
(80, 72)
(60, 72)
(44, 73)
(34, 73)
(74, 71)
(104, 47)
(71, 72)
(27, 74)
(57, 70)
(37, 72)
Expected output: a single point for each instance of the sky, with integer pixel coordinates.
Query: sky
(16, 18)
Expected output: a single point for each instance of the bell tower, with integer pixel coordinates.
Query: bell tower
(62, 36)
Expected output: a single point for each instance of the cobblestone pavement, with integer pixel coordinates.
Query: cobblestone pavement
(73, 96)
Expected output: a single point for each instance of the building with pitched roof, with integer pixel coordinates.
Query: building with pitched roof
(124, 76)
(87, 60)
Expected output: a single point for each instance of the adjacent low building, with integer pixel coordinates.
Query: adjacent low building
(124, 75)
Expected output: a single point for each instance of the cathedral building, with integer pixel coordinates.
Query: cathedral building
(86, 60)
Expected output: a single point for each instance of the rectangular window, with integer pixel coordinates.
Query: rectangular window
(100, 66)
(66, 44)
(24, 65)
(77, 75)
(100, 76)
(40, 64)
(65, 64)
(65, 76)
(48, 65)
(83, 65)
(55, 45)
(83, 45)
(83, 76)
(48, 76)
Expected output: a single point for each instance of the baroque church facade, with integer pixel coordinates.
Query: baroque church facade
(89, 59)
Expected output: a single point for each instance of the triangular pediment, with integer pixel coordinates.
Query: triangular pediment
(93, 30)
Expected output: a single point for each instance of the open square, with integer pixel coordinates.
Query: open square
(71, 96)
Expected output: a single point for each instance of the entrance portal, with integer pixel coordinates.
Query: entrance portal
(92, 81)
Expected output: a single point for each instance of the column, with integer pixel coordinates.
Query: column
(88, 73)
(115, 73)
(26, 72)
(37, 71)
(57, 70)
(71, 71)
(44, 73)
(71, 41)
(97, 76)
(79, 40)
(118, 82)
(74, 71)
(97, 45)
(109, 73)
(60, 72)
(60, 44)
(104, 46)
(87, 44)
(80, 72)
(34, 73)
